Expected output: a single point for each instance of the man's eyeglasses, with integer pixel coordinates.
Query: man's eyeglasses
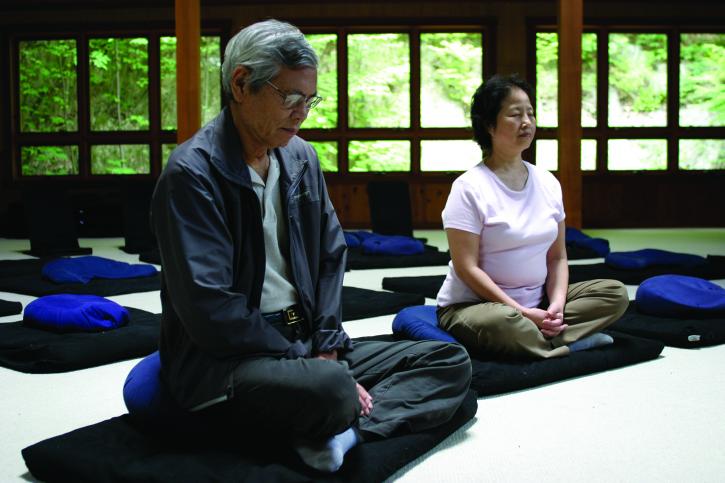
(290, 100)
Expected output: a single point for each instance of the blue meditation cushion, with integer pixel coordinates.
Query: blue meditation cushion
(392, 245)
(680, 296)
(144, 394)
(420, 322)
(351, 239)
(75, 313)
(652, 257)
(84, 269)
(578, 238)
(363, 235)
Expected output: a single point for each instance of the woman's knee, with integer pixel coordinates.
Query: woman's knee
(495, 329)
(616, 293)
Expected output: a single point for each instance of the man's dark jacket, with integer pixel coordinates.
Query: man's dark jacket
(207, 220)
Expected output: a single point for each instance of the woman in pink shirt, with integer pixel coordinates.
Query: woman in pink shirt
(507, 291)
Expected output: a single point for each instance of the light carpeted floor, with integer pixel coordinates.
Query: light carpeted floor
(657, 421)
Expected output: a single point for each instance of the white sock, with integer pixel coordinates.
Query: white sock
(329, 455)
(595, 340)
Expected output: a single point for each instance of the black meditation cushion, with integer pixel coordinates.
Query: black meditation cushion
(33, 350)
(121, 450)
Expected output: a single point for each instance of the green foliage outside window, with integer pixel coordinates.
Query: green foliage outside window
(327, 154)
(450, 66)
(48, 87)
(167, 59)
(547, 79)
(119, 84)
(637, 79)
(49, 160)
(378, 80)
(325, 114)
(165, 153)
(120, 159)
(209, 82)
(702, 154)
(702, 80)
(379, 156)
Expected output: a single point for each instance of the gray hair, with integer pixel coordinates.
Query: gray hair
(264, 48)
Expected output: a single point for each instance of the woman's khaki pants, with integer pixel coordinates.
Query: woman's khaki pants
(494, 328)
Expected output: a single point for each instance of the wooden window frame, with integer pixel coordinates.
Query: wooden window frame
(602, 132)
(84, 137)
(343, 134)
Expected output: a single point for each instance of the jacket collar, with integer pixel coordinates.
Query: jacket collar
(226, 154)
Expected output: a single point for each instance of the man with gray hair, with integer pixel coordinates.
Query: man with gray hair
(254, 258)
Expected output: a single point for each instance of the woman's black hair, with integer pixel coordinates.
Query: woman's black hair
(486, 104)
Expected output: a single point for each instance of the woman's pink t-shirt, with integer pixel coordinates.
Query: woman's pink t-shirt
(516, 229)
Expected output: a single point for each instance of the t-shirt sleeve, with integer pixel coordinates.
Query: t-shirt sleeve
(463, 210)
(554, 189)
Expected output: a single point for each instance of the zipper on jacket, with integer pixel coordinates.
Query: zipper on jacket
(294, 186)
(292, 239)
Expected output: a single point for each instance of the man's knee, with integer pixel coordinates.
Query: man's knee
(459, 360)
(451, 357)
(333, 393)
(447, 353)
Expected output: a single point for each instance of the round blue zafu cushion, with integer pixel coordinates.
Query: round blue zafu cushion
(680, 296)
(75, 313)
(420, 322)
(143, 392)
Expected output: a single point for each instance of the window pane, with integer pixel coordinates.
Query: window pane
(449, 155)
(120, 159)
(49, 160)
(702, 77)
(702, 154)
(119, 84)
(589, 80)
(637, 154)
(450, 73)
(547, 79)
(378, 80)
(637, 80)
(210, 80)
(547, 154)
(589, 154)
(165, 153)
(167, 58)
(379, 156)
(325, 114)
(48, 86)
(327, 154)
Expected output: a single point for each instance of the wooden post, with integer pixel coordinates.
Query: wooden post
(188, 71)
(570, 15)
